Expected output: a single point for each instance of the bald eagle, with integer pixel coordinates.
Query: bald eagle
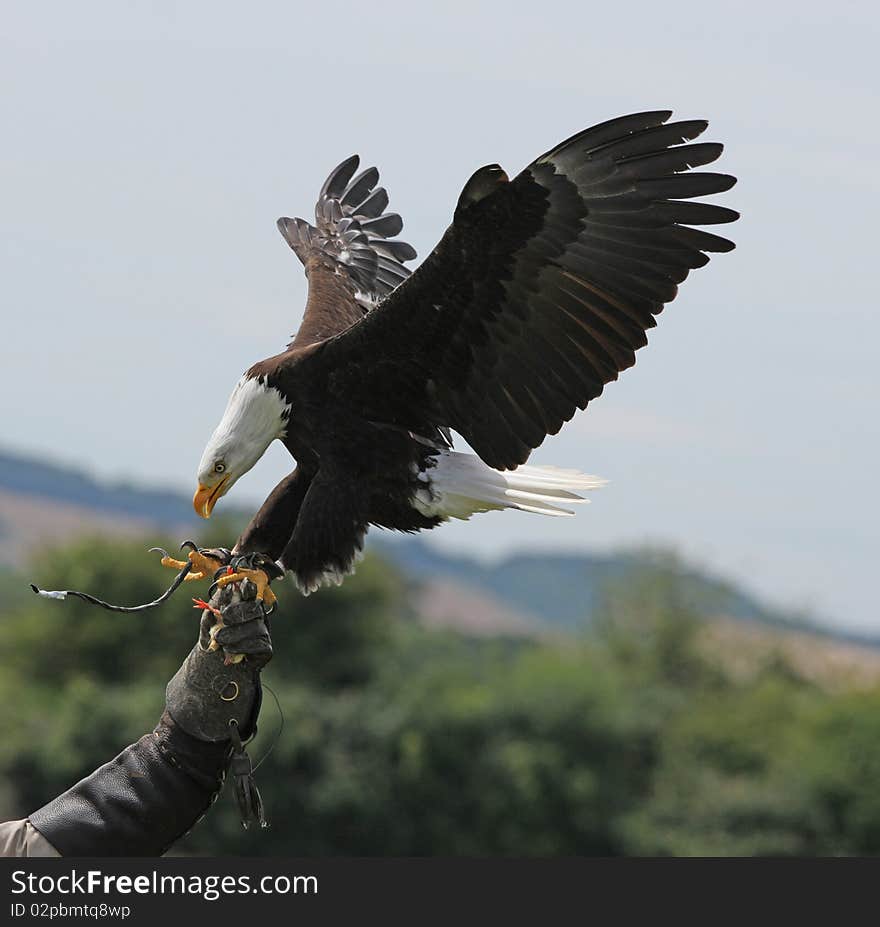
(538, 294)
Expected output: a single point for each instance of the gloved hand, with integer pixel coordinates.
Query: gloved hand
(149, 796)
(219, 681)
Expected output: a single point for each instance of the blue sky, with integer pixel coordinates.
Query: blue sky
(147, 152)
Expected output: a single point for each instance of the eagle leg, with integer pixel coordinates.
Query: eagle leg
(179, 565)
(257, 577)
(203, 565)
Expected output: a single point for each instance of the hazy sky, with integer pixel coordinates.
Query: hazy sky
(148, 148)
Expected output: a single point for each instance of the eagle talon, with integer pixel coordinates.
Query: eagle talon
(171, 563)
(257, 577)
(203, 564)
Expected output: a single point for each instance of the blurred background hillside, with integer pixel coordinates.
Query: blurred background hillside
(614, 704)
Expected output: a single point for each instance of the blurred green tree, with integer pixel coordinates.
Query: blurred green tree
(630, 739)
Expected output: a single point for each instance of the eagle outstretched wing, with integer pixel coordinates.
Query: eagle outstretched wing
(349, 257)
(541, 290)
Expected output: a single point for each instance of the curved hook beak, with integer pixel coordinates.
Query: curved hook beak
(206, 498)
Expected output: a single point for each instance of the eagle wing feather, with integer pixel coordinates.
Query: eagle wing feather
(349, 260)
(540, 292)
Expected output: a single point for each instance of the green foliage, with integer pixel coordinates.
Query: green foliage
(59, 641)
(408, 742)
(338, 636)
(840, 770)
(649, 622)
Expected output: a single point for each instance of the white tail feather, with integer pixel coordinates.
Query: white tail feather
(459, 485)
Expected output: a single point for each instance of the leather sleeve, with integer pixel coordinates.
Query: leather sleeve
(139, 803)
(157, 789)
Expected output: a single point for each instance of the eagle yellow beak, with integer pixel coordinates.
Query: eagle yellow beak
(206, 498)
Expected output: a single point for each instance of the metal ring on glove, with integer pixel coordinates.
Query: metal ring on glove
(234, 696)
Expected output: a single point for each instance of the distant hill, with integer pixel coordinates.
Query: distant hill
(565, 589)
(31, 477)
(43, 503)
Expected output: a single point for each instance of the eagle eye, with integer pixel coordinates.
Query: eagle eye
(219, 467)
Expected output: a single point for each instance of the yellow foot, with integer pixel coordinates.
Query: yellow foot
(257, 577)
(203, 565)
(179, 565)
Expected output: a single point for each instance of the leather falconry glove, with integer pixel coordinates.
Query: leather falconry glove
(157, 789)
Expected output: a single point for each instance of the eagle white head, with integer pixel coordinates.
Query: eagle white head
(255, 416)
